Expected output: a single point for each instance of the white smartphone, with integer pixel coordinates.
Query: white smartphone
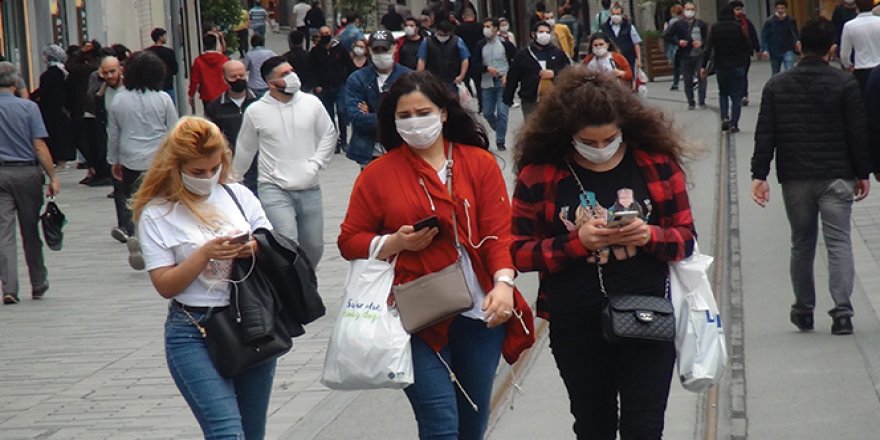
(622, 218)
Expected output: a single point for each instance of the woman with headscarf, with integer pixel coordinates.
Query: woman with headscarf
(51, 97)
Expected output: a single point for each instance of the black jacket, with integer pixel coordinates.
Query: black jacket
(813, 118)
(524, 71)
(872, 101)
(681, 30)
(728, 45)
(224, 112)
(302, 65)
(330, 66)
(168, 57)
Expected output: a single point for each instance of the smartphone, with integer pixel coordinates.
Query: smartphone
(241, 239)
(427, 222)
(622, 218)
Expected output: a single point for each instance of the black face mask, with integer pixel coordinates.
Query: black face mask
(325, 40)
(238, 85)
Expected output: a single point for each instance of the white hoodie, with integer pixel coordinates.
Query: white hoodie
(294, 139)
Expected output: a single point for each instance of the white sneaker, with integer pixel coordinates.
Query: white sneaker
(119, 234)
(135, 257)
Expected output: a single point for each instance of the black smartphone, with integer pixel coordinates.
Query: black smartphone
(427, 222)
(241, 239)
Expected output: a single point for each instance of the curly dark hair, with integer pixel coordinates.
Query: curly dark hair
(460, 127)
(581, 98)
(144, 71)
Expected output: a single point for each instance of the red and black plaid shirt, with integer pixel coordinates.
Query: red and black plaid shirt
(536, 247)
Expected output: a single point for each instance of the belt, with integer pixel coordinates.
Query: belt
(194, 309)
(18, 163)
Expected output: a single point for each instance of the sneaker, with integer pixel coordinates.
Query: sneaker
(745, 102)
(803, 321)
(734, 129)
(690, 106)
(842, 325)
(135, 257)
(703, 106)
(38, 292)
(10, 298)
(111, 195)
(501, 146)
(725, 125)
(673, 88)
(100, 181)
(119, 234)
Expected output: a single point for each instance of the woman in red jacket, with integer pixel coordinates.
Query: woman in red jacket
(419, 123)
(604, 57)
(593, 148)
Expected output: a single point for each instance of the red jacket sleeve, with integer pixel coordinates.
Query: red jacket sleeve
(673, 239)
(493, 216)
(195, 78)
(623, 64)
(362, 222)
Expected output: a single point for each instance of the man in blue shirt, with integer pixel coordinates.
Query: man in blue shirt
(22, 153)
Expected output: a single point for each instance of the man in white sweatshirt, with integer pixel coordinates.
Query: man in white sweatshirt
(295, 138)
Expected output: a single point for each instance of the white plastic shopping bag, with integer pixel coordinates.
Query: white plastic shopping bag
(699, 336)
(369, 347)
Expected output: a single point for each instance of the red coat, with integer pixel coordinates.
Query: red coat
(399, 189)
(207, 76)
(620, 62)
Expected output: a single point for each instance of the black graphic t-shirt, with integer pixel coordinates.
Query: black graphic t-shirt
(625, 270)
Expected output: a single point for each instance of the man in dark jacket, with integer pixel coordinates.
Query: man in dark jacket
(445, 55)
(471, 32)
(492, 57)
(299, 59)
(227, 111)
(779, 37)
(749, 29)
(407, 50)
(364, 91)
(625, 36)
(690, 33)
(331, 65)
(538, 61)
(813, 119)
(166, 54)
(730, 48)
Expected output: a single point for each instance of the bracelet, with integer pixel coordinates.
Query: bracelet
(506, 280)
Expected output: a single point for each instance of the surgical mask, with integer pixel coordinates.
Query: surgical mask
(199, 186)
(383, 61)
(598, 155)
(442, 38)
(616, 19)
(238, 85)
(550, 21)
(542, 38)
(409, 31)
(420, 132)
(690, 14)
(600, 51)
(504, 28)
(291, 83)
(488, 33)
(359, 51)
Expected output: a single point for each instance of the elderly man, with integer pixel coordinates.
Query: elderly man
(22, 153)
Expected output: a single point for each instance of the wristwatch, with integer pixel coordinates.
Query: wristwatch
(506, 280)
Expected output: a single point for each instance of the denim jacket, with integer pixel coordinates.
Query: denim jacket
(362, 86)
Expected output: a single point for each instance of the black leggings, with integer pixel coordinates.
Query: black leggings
(597, 373)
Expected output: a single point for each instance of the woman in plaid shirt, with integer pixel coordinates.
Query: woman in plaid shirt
(591, 148)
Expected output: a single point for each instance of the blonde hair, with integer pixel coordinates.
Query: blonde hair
(191, 139)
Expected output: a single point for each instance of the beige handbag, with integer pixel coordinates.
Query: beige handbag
(437, 296)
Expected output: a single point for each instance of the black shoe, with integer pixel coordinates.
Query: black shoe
(803, 321)
(100, 181)
(745, 102)
(703, 106)
(690, 106)
(842, 325)
(111, 195)
(86, 181)
(40, 291)
(501, 146)
(673, 88)
(725, 125)
(734, 129)
(10, 298)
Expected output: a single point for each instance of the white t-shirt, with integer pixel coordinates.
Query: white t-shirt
(301, 9)
(169, 233)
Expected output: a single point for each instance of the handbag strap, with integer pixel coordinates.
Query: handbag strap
(237, 203)
(449, 163)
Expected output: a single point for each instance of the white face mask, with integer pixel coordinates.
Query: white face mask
(616, 19)
(550, 21)
(420, 132)
(409, 31)
(598, 155)
(488, 33)
(359, 51)
(600, 51)
(291, 83)
(689, 13)
(199, 186)
(542, 38)
(504, 28)
(442, 38)
(383, 61)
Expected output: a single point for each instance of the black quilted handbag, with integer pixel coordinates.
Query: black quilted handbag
(636, 318)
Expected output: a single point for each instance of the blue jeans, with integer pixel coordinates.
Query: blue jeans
(233, 408)
(296, 214)
(786, 60)
(731, 84)
(441, 411)
(495, 110)
(333, 98)
(805, 201)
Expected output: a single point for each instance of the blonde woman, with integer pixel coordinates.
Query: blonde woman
(187, 222)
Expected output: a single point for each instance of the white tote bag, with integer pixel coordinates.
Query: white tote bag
(368, 348)
(699, 336)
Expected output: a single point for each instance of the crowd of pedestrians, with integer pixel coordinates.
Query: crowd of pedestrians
(273, 123)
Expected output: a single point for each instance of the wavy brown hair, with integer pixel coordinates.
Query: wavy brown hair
(581, 98)
(192, 138)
